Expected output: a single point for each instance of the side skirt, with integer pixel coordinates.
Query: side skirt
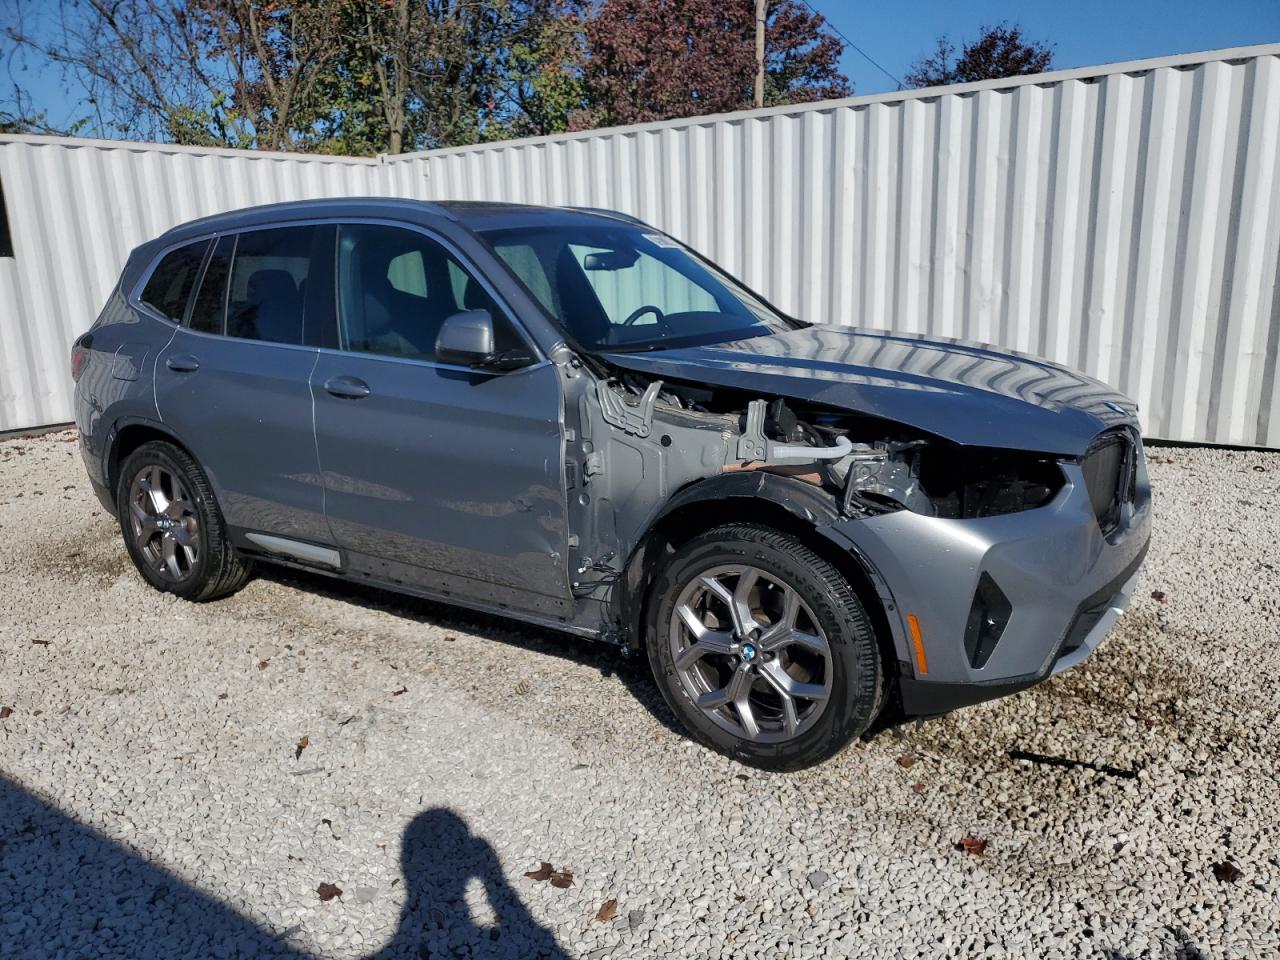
(522, 616)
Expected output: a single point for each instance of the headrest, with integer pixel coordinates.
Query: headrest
(265, 285)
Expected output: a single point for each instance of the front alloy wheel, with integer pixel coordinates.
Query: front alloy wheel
(750, 653)
(762, 648)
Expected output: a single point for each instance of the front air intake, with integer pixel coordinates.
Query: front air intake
(988, 616)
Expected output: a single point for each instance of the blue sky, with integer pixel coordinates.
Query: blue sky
(1085, 32)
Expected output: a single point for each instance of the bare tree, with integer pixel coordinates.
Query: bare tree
(228, 72)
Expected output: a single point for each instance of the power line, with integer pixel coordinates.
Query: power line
(870, 59)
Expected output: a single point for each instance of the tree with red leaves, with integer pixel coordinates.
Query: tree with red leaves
(659, 59)
(1000, 51)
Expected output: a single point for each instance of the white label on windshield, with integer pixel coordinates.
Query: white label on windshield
(658, 240)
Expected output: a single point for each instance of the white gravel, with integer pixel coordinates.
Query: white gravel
(154, 803)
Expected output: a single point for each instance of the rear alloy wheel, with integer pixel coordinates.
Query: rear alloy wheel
(163, 520)
(172, 526)
(762, 648)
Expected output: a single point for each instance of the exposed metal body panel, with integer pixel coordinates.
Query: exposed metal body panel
(1122, 220)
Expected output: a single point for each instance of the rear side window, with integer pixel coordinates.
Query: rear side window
(209, 312)
(268, 282)
(171, 282)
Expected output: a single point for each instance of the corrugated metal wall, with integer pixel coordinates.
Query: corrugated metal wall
(1124, 220)
(76, 208)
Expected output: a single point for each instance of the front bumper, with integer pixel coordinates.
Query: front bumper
(1065, 582)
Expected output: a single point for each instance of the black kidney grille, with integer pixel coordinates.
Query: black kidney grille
(1108, 472)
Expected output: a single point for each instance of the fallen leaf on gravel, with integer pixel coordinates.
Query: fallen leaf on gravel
(608, 910)
(562, 880)
(918, 787)
(1159, 596)
(906, 760)
(739, 897)
(542, 873)
(328, 891)
(6, 713)
(1227, 872)
(262, 664)
(396, 693)
(303, 743)
(971, 844)
(42, 643)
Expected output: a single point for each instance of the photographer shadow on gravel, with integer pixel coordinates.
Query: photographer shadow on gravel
(440, 856)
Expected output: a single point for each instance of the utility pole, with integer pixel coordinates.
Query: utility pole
(760, 18)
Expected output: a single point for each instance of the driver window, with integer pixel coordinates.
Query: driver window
(396, 287)
(625, 285)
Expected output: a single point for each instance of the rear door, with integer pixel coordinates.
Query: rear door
(234, 383)
(439, 476)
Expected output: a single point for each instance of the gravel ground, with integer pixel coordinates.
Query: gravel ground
(180, 780)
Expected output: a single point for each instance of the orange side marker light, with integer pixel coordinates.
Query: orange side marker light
(922, 661)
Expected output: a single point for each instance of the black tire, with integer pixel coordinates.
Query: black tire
(857, 672)
(218, 569)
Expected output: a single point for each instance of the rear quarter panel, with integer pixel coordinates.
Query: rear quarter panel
(117, 385)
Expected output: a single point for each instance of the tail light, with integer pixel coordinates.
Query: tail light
(80, 352)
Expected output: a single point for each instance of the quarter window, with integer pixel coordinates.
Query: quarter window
(170, 284)
(209, 312)
(267, 284)
(396, 288)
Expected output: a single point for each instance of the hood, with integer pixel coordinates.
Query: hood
(968, 393)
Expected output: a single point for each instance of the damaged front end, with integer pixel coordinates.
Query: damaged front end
(642, 450)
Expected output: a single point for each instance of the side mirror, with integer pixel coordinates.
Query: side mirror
(467, 339)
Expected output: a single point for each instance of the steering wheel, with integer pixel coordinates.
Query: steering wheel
(639, 312)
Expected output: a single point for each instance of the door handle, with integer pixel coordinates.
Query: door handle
(348, 388)
(183, 364)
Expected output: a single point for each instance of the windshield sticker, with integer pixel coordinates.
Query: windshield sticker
(659, 240)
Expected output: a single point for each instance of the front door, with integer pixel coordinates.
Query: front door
(234, 382)
(436, 476)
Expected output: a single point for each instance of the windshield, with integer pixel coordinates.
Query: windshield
(628, 288)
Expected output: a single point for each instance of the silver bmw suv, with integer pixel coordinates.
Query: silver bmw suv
(569, 418)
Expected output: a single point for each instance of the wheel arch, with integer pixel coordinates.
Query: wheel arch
(127, 435)
(788, 505)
